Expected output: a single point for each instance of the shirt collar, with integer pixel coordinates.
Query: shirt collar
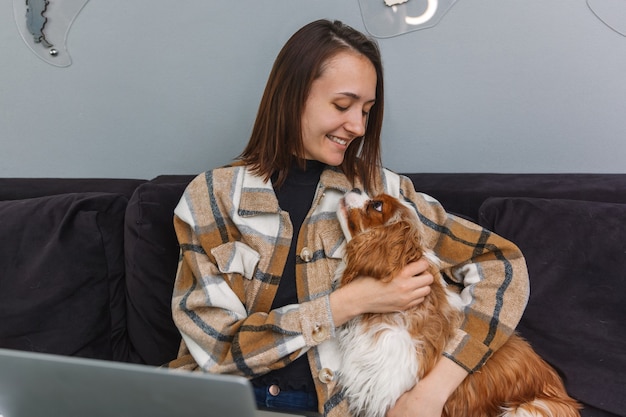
(258, 197)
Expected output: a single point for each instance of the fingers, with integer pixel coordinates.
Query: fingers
(414, 283)
(417, 289)
(404, 291)
(416, 268)
(415, 276)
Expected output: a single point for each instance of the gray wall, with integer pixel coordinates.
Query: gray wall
(173, 87)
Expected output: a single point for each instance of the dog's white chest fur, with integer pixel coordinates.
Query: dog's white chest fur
(379, 364)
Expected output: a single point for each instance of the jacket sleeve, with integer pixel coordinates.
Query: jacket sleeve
(211, 306)
(490, 272)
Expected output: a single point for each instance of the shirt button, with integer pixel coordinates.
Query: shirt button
(326, 375)
(319, 333)
(274, 390)
(306, 255)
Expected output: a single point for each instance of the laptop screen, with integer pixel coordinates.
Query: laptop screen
(42, 385)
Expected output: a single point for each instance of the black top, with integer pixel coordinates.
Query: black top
(295, 196)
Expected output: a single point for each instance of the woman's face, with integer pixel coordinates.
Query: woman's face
(335, 112)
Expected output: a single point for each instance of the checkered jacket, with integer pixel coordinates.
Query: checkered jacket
(234, 240)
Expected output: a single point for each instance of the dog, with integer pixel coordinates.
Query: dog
(384, 355)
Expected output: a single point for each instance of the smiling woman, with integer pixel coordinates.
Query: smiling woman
(256, 291)
(299, 79)
(335, 113)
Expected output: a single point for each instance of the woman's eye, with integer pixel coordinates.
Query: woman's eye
(340, 108)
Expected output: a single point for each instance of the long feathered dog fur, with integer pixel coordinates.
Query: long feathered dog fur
(384, 355)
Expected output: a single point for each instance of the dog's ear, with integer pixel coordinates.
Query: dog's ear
(409, 242)
(383, 251)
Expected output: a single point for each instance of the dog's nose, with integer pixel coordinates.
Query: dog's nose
(356, 191)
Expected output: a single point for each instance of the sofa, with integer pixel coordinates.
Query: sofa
(87, 267)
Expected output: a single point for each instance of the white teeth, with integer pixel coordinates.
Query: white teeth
(337, 140)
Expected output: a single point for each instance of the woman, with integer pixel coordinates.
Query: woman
(260, 241)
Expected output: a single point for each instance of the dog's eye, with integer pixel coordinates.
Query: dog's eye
(377, 205)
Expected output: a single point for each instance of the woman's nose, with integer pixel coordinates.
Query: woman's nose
(356, 123)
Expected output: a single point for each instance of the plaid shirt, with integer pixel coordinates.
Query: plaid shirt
(234, 240)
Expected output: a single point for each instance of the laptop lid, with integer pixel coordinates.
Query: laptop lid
(43, 385)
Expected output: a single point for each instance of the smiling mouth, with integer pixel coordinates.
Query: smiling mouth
(337, 140)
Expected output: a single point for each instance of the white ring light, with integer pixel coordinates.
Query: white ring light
(428, 14)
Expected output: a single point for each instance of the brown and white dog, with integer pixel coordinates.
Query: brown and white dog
(384, 355)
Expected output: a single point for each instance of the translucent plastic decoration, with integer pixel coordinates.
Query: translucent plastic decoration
(44, 25)
(387, 18)
(611, 12)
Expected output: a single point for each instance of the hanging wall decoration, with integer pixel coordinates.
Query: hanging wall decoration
(388, 18)
(44, 26)
(610, 12)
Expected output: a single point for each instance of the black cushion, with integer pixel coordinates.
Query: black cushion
(576, 256)
(62, 273)
(151, 260)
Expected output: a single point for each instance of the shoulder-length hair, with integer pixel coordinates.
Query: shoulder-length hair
(276, 139)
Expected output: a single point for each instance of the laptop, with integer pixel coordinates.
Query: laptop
(44, 385)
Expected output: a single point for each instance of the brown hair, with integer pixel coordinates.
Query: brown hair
(276, 139)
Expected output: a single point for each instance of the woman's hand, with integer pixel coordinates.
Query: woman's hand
(428, 397)
(370, 295)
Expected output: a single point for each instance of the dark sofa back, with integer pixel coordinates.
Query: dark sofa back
(22, 188)
(465, 193)
(569, 226)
